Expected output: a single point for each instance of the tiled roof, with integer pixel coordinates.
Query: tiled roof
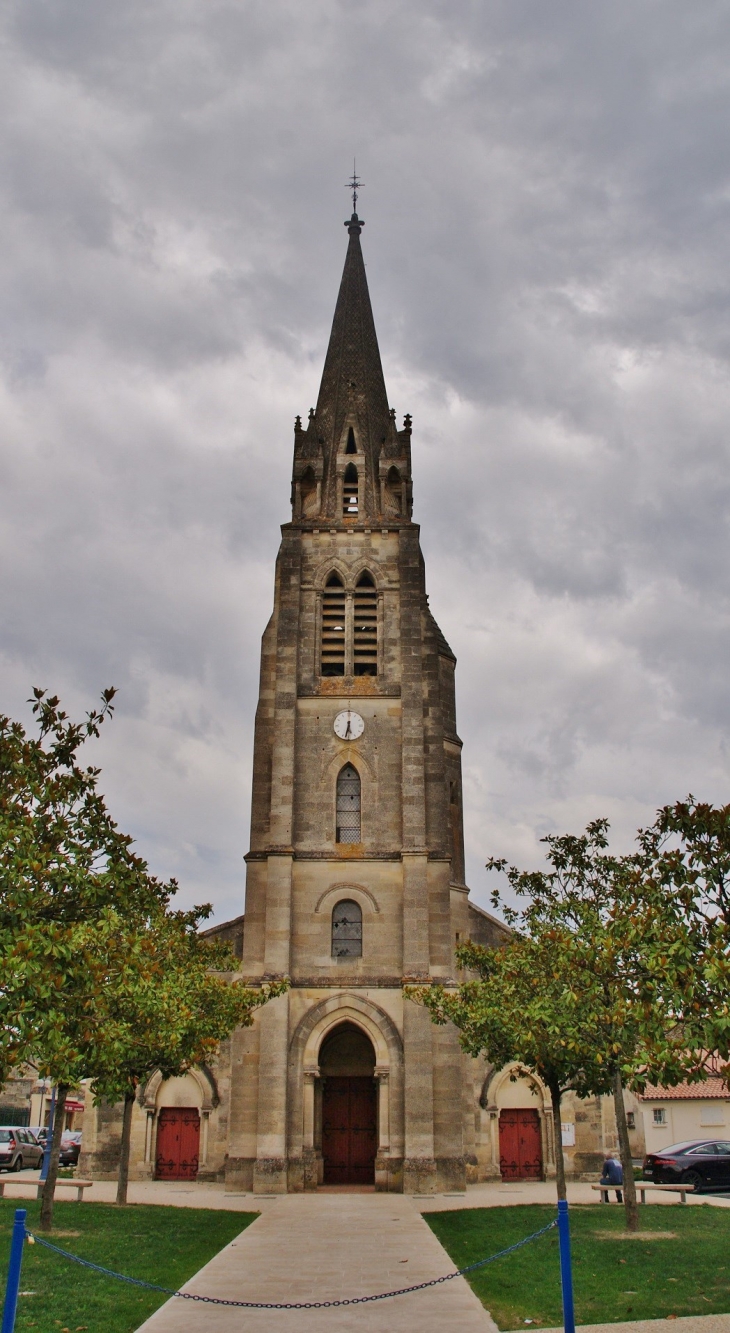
(711, 1089)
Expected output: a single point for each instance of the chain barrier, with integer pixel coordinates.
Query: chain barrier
(288, 1305)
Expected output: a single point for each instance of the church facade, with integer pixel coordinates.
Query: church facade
(355, 874)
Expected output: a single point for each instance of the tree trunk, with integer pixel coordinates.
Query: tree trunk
(123, 1178)
(46, 1218)
(632, 1211)
(556, 1093)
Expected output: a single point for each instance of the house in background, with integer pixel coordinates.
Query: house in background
(688, 1111)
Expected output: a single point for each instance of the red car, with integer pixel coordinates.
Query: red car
(704, 1163)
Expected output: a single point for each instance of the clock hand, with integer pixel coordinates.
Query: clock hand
(347, 732)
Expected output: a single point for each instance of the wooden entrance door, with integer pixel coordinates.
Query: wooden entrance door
(349, 1131)
(178, 1143)
(520, 1145)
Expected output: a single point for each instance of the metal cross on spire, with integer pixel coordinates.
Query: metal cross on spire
(354, 184)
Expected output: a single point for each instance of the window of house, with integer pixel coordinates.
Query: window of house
(660, 1115)
(333, 627)
(630, 1120)
(348, 805)
(347, 930)
(365, 635)
(350, 497)
(712, 1115)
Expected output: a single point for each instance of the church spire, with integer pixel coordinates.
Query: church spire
(352, 428)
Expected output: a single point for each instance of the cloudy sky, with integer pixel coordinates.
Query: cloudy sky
(547, 210)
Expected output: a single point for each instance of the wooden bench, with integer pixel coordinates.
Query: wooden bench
(78, 1185)
(643, 1185)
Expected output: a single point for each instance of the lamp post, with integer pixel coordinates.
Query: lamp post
(49, 1140)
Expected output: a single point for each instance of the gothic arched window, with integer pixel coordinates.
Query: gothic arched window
(308, 492)
(350, 498)
(365, 637)
(333, 627)
(347, 930)
(348, 805)
(394, 493)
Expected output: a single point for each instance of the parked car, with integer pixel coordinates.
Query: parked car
(70, 1148)
(703, 1163)
(19, 1148)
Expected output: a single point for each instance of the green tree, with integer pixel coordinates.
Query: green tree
(575, 995)
(167, 1010)
(63, 863)
(85, 931)
(686, 859)
(521, 1007)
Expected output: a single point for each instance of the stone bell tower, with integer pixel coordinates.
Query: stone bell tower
(355, 877)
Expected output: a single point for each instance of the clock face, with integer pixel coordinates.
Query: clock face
(349, 725)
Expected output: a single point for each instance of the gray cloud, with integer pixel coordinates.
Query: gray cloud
(547, 196)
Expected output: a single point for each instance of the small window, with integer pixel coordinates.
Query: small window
(333, 627)
(660, 1115)
(350, 497)
(630, 1120)
(347, 930)
(351, 447)
(365, 641)
(348, 805)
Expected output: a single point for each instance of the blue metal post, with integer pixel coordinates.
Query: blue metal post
(16, 1259)
(49, 1140)
(566, 1267)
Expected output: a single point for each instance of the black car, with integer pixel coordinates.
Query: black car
(704, 1163)
(70, 1149)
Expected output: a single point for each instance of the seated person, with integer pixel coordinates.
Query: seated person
(612, 1175)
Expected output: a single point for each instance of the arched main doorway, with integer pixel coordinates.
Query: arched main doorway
(349, 1106)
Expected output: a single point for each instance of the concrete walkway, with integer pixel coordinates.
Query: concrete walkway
(193, 1194)
(324, 1247)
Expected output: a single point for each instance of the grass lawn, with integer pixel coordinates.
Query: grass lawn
(614, 1279)
(165, 1245)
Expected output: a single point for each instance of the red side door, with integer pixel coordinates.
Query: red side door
(520, 1145)
(349, 1131)
(178, 1143)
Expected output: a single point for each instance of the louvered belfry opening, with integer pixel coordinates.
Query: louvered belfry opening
(348, 805)
(351, 445)
(350, 503)
(347, 930)
(333, 627)
(365, 643)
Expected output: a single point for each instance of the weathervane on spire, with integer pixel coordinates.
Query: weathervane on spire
(354, 184)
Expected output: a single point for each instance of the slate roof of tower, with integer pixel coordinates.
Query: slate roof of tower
(353, 373)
